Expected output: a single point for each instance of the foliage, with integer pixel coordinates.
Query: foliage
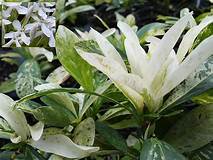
(124, 94)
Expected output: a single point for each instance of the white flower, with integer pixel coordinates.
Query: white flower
(17, 37)
(6, 22)
(42, 26)
(155, 74)
(17, 6)
(43, 8)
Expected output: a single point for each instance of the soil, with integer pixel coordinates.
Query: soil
(5, 70)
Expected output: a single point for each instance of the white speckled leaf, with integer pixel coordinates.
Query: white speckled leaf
(198, 82)
(84, 133)
(15, 118)
(193, 130)
(154, 149)
(62, 145)
(78, 68)
(58, 76)
(204, 153)
(28, 76)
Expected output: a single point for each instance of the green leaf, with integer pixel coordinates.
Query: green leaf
(79, 9)
(152, 29)
(204, 153)
(205, 98)
(88, 46)
(8, 85)
(205, 33)
(54, 115)
(100, 90)
(84, 133)
(61, 99)
(193, 130)
(197, 83)
(154, 149)
(112, 136)
(69, 58)
(28, 76)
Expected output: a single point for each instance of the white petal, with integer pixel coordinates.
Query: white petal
(46, 30)
(17, 43)
(36, 130)
(190, 36)
(8, 44)
(30, 26)
(17, 25)
(167, 43)
(15, 118)
(22, 10)
(25, 39)
(197, 56)
(42, 13)
(63, 146)
(107, 48)
(52, 40)
(6, 13)
(6, 22)
(9, 35)
(12, 4)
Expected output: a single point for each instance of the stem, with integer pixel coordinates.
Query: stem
(75, 90)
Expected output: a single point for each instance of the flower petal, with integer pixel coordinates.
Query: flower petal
(6, 13)
(9, 35)
(22, 10)
(51, 40)
(17, 25)
(46, 30)
(8, 44)
(25, 39)
(6, 22)
(42, 13)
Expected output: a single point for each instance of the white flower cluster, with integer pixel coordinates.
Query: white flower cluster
(36, 20)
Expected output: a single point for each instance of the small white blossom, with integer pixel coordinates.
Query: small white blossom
(16, 37)
(38, 21)
(45, 26)
(17, 6)
(43, 9)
